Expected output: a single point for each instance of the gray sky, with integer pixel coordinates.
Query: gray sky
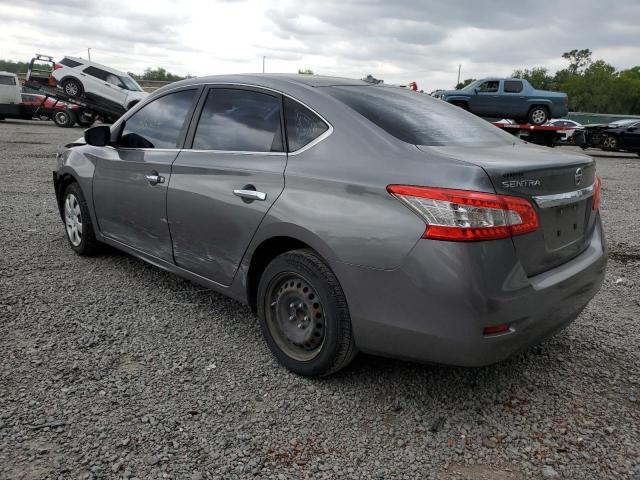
(398, 41)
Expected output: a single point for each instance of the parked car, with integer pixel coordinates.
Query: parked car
(10, 100)
(62, 113)
(622, 137)
(349, 216)
(509, 98)
(78, 77)
(569, 128)
(594, 134)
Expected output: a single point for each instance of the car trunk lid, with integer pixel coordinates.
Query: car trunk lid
(559, 186)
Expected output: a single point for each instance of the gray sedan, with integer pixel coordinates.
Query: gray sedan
(350, 217)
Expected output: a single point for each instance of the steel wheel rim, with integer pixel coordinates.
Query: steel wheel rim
(294, 316)
(61, 117)
(538, 116)
(71, 89)
(73, 219)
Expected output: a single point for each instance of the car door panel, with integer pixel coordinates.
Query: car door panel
(233, 140)
(131, 178)
(130, 208)
(211, 227)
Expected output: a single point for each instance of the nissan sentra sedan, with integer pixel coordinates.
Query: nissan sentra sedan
(349, 216)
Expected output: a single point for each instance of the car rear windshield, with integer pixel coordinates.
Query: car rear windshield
(417, 118)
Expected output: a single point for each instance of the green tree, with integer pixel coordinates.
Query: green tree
(371, 79)
(539, 77)
(13, 67)
(578, 59)
(464, 83)
(306, 71)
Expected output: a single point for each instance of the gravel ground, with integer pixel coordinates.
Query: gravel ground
(111, 368)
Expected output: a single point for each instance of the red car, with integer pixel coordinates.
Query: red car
(62, 113)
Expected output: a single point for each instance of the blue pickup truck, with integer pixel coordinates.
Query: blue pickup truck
(508, 98)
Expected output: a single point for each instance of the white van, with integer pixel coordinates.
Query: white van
(10, 98)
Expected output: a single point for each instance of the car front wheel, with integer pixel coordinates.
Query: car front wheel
(72, 87)
(304, 316)
(77, 222)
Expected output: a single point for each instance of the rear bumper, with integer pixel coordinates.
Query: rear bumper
(434, 307)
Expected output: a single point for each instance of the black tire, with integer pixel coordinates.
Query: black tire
(301, 284)
(85, 120)
(74, 205)
(538, 115)
(609, 143)
(64, 118)
(72, 88)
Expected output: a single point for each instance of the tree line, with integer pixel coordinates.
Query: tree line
(592, 85)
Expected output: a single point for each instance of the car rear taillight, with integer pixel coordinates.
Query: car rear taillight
(462, 215)
(596, 193)
(56, 66)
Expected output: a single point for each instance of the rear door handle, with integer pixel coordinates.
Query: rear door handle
(153, 178)
(250, 194)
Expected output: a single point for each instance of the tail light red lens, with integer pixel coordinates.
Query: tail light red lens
(56, 66)
(596, 193)
(462, 215)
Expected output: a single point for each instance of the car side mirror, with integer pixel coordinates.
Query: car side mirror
(99, 136)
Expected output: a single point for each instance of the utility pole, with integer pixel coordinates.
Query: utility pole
(459, 68)
(263, 59)
(89, 53)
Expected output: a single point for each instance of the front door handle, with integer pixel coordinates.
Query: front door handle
(153, 178)
(250, 194)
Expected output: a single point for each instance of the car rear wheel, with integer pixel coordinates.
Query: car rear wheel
(85, 119)
(609, 142)
(64, 118)
(538, 116)
(77, 222)
(304, 316)
(72, 87)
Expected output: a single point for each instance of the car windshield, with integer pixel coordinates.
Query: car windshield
(472, 85)
(130, 84)
(419, 119)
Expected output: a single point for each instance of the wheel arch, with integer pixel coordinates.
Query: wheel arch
(276, 240)
(71, 77)
(60, 184)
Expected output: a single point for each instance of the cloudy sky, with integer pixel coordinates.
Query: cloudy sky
(398, 41)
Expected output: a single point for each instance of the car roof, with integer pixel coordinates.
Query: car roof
(88, 63)
(281, 82)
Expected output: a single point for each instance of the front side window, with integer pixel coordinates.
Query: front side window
(512, 86)
(489, 86)
(303, 126)
(240, 121)
(114, 80)
(129, 83)
(158, 124)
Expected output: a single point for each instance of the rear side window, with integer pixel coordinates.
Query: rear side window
(512, 86)
(67, 62)
(158, 124)
(7, 80)
(240, 121)
(97, 72)
(303, 126)
(419, 119)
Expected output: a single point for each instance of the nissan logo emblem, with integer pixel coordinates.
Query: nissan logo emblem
(578, 176)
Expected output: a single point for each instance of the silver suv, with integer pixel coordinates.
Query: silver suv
(79, 77)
